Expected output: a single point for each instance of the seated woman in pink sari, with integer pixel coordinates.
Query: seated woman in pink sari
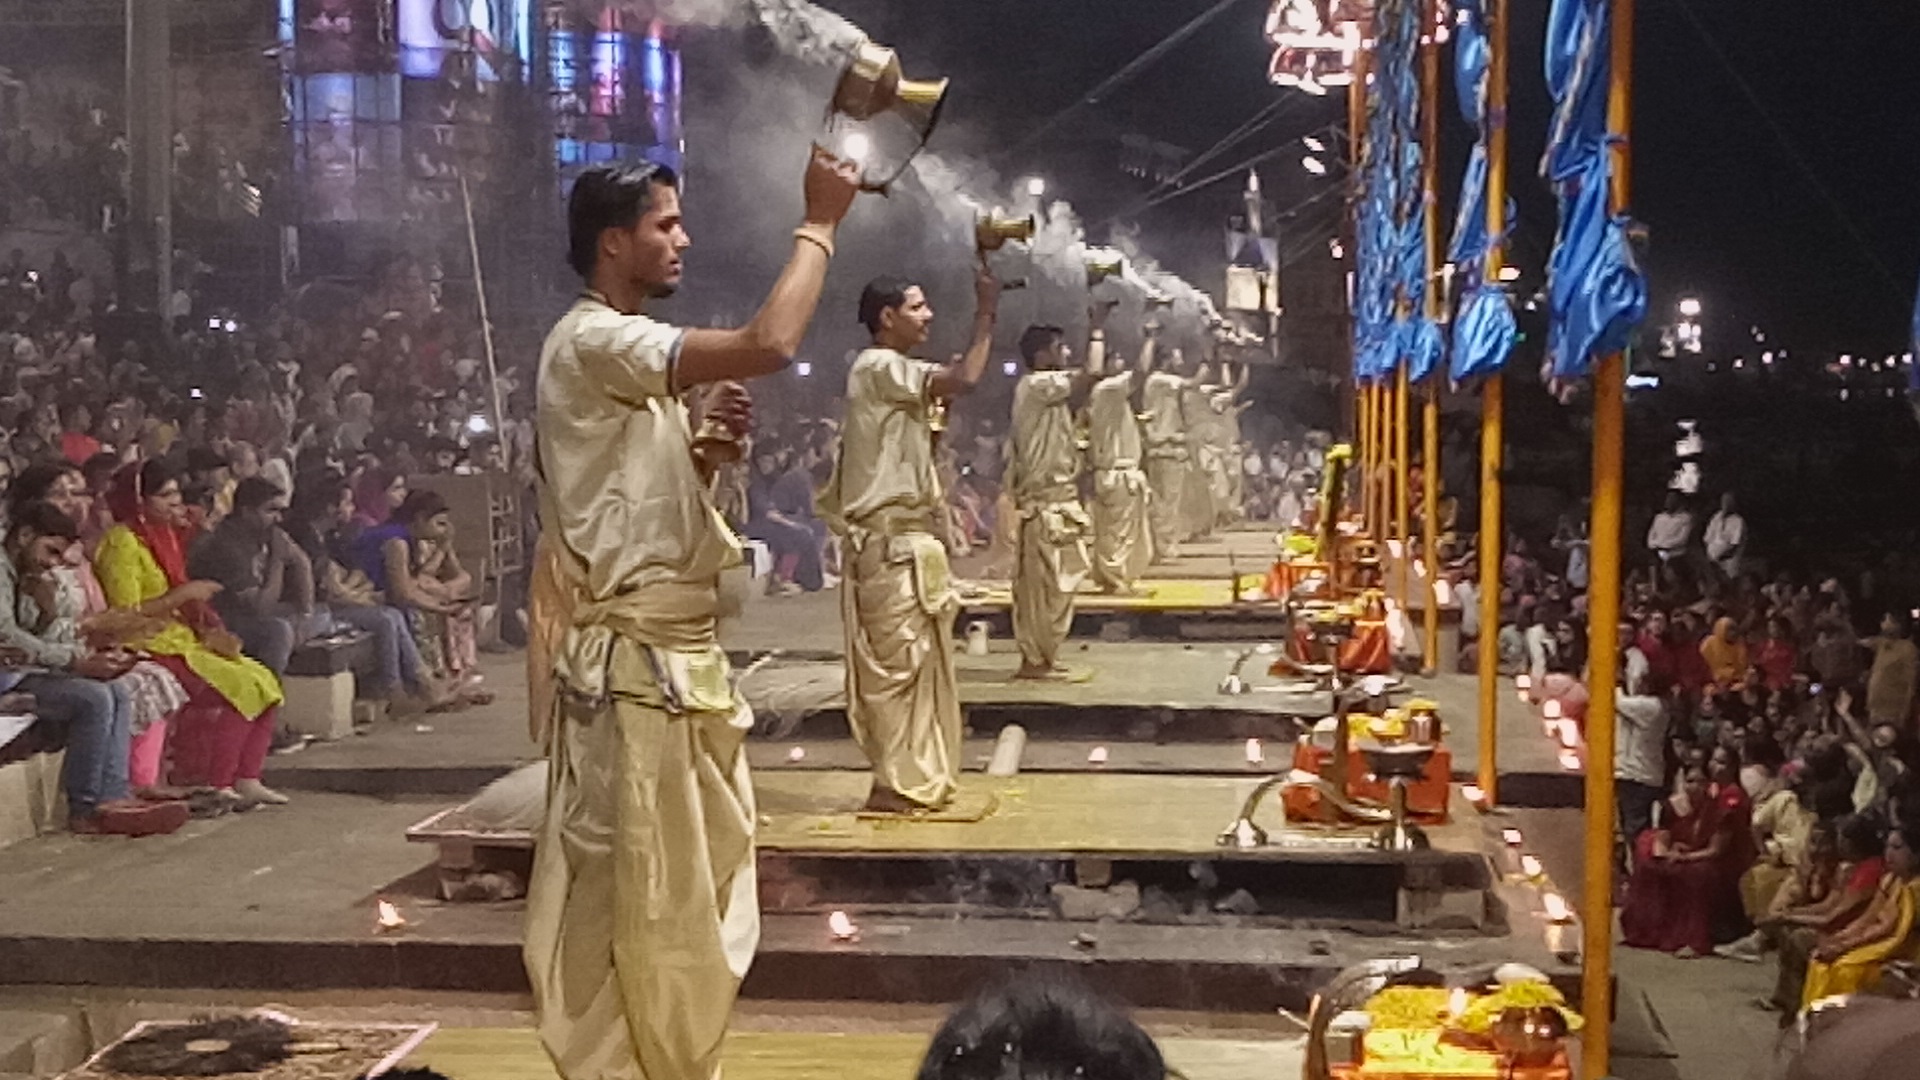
(1685, 872)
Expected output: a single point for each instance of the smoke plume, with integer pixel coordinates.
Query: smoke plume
(756, 95)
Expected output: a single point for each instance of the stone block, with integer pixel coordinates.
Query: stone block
(32, 801)
(1449, 909)
(1090, 905)
(319, 705)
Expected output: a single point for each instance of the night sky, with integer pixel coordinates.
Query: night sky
(1734, 218)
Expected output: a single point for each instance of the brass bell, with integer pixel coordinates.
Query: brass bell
(992, 231)
(1103, 263)
(872, 84)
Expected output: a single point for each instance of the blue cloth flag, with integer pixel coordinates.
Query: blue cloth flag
(1484, 330)
(1597, 294)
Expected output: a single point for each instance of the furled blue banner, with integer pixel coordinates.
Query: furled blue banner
(1484, 330)
(1597, 293)
(1390, 325)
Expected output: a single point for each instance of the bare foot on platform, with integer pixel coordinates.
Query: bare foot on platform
(884, 800)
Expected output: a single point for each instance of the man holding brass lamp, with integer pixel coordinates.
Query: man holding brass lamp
(1044, 476)
(641, 914)
(1169, 457)
(897, 598)
(1122, 542)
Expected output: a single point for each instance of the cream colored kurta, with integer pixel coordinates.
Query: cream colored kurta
(1053, 526)
(642, 915)
(1167, 461)
(1122, 541)
(897, 601)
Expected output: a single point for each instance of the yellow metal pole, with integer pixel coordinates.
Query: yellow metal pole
(1430, 403)
(1362, 394)
(1492, 413)
(1603, 604)
(1401, 465)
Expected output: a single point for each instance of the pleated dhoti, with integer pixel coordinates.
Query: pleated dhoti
(1122, 540)
(903, 702)
(642, 913)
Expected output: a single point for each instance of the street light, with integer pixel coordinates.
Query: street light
(1036, 187)
(1690, 307)
(1314, 165)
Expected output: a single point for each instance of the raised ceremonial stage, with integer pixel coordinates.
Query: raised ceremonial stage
(1101, 854)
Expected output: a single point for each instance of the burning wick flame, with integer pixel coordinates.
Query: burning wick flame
(1256, 754)
(856, 147)
(841, 927)
(1457, 1002)
(1097, 756)
(1512, 837)
(389, 918)
(798, 753)
(1530, 866)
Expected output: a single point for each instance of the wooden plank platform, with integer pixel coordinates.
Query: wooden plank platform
(515, 1054)
(1213, 595)
(1063, 815)
(1057, 815)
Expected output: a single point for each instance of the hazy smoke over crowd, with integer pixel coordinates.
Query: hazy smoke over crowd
(756, 96)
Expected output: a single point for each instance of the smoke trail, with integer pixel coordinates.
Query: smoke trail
(750, 120)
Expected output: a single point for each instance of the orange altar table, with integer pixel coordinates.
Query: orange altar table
(1367, 652)
(1427, 797)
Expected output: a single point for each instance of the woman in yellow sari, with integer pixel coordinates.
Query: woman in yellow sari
(1850, 960)
(225, 730)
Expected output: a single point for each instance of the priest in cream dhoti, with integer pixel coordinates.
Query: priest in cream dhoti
(1122, 540)
(1198, 509)
(1168, 455)
(897, 599)
(1044, 476)
(641, 913)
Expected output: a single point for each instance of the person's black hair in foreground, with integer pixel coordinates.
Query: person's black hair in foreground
(1041, 1027)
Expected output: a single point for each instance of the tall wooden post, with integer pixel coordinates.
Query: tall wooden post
(1492, 411)
(1603, 602)
(1430, 401)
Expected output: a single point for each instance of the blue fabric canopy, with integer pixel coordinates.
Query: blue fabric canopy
(1484, 330)
(1597, 294)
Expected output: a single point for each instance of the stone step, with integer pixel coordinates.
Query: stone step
(41, 1042)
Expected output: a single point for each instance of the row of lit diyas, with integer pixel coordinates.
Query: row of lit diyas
(1558, 726)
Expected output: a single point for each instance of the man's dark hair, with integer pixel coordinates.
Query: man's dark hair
(420, 506)
(36, 480)
(44, 519)
(1863, 835)
(609, 197)
(882, 294)
(1038, 339)
(255, 492)
(201, 459)
(1041, 1027)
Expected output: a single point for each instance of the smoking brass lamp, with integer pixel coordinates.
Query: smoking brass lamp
(1103, 263)
(994, 231)
(872, 86)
